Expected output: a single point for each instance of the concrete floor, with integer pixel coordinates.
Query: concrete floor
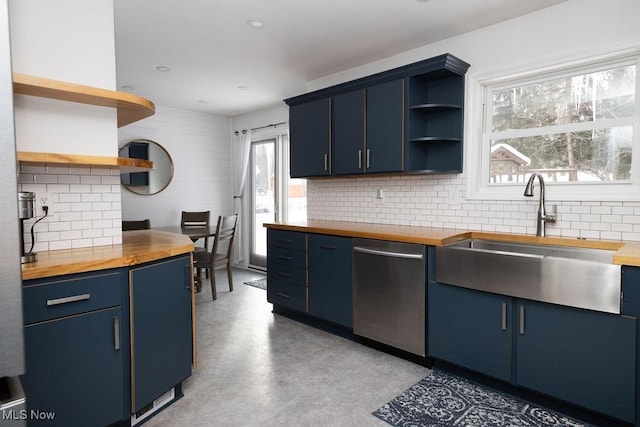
(256, 368)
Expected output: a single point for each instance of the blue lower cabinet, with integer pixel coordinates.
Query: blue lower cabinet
(471, 329)
(330, 291)
(287, 294)
(74, 370)
(580, 356)
(161, 332)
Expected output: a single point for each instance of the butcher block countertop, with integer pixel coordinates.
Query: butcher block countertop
(627, 253)
(137, 247)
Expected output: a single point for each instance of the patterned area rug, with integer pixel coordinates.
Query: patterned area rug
(260, 283)
(443, 399)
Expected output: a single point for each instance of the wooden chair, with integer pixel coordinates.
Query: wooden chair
(196, 219)
(220, 253)
(144, 224)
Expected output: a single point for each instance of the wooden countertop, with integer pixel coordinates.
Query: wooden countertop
(137, 247)
(627, 253)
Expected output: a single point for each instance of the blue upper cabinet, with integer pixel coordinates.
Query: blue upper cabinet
(310, 139)
(348, 137)
(408, 119)
(367, 129)
(385, 133)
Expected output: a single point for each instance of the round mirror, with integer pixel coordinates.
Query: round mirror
(152, 181)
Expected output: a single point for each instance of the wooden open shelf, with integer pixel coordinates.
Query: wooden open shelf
(130, 108)
(57, 159)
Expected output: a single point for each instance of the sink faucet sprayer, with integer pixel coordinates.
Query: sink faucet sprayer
(543, 216)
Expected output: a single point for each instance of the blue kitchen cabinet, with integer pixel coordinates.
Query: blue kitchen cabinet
(367, 129)
(287, 269)
(348, 137)
(161, 328)
(76, 347)
(385, 127)
(310, 139)
(407, 119)
(584, 357)
(471, 329)
(330, 291)
(435, 105)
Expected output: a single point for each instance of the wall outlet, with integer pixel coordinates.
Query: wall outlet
(44, 199)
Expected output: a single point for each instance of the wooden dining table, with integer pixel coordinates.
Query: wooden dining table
(194, 232)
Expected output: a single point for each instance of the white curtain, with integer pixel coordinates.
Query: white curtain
(241, 151)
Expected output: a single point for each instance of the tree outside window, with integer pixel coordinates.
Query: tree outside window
(573, 128)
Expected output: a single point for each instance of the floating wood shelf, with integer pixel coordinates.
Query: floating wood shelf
(57, 159)
(130, 108)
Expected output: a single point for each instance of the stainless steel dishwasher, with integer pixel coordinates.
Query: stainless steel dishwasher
(389, 286)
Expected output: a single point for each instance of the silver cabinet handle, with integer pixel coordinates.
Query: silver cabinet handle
(521, 319)
(504, 316)
(66, 300)
(359, 159)
(368, 157)
(386, 253)
(326, 162)
(116, 333)
(283, 295)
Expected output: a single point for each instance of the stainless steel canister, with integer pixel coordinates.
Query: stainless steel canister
(26, 204)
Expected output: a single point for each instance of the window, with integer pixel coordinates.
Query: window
(576, 127)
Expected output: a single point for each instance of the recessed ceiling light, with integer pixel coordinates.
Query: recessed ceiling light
(163, 68)
(243, 87)
(127, 87)
(255, 23)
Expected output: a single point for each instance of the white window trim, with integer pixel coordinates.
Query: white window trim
(477, 150)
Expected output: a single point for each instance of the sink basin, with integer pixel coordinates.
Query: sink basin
(572, 276)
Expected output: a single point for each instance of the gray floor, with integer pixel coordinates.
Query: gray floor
(256, 368)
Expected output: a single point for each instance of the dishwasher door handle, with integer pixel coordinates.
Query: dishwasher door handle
(387, 253)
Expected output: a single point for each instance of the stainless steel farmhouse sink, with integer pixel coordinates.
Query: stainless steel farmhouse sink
(572, 276)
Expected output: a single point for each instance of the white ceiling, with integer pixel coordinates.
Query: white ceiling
(212, 51)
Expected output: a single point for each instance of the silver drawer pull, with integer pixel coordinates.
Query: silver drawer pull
(283, 295)
(284, 274)
(66, 300)
(284, 258)
(116, 333)
(504, 316)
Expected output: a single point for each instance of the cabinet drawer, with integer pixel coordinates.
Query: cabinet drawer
(287, 239)
(287, 294)
(287, 257)
(50, 300)
(287, 273)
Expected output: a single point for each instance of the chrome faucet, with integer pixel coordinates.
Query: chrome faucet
(543, 216)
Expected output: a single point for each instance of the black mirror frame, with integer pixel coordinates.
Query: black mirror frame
(132, 188)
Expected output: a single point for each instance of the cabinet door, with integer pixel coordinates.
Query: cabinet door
(348, 123)
(385, 127)
(580, 356)
(160, 328)
(309, 127)
(330, 292)
(75, 369)
(470, 329)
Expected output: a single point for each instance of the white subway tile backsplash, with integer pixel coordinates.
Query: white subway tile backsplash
(86, 206)
(438, 201)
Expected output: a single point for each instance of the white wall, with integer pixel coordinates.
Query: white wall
(200, 146)
(575, 29)
(68, 40)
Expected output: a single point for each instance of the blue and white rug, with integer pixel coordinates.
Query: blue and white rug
(443, 399)
(260, 283)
